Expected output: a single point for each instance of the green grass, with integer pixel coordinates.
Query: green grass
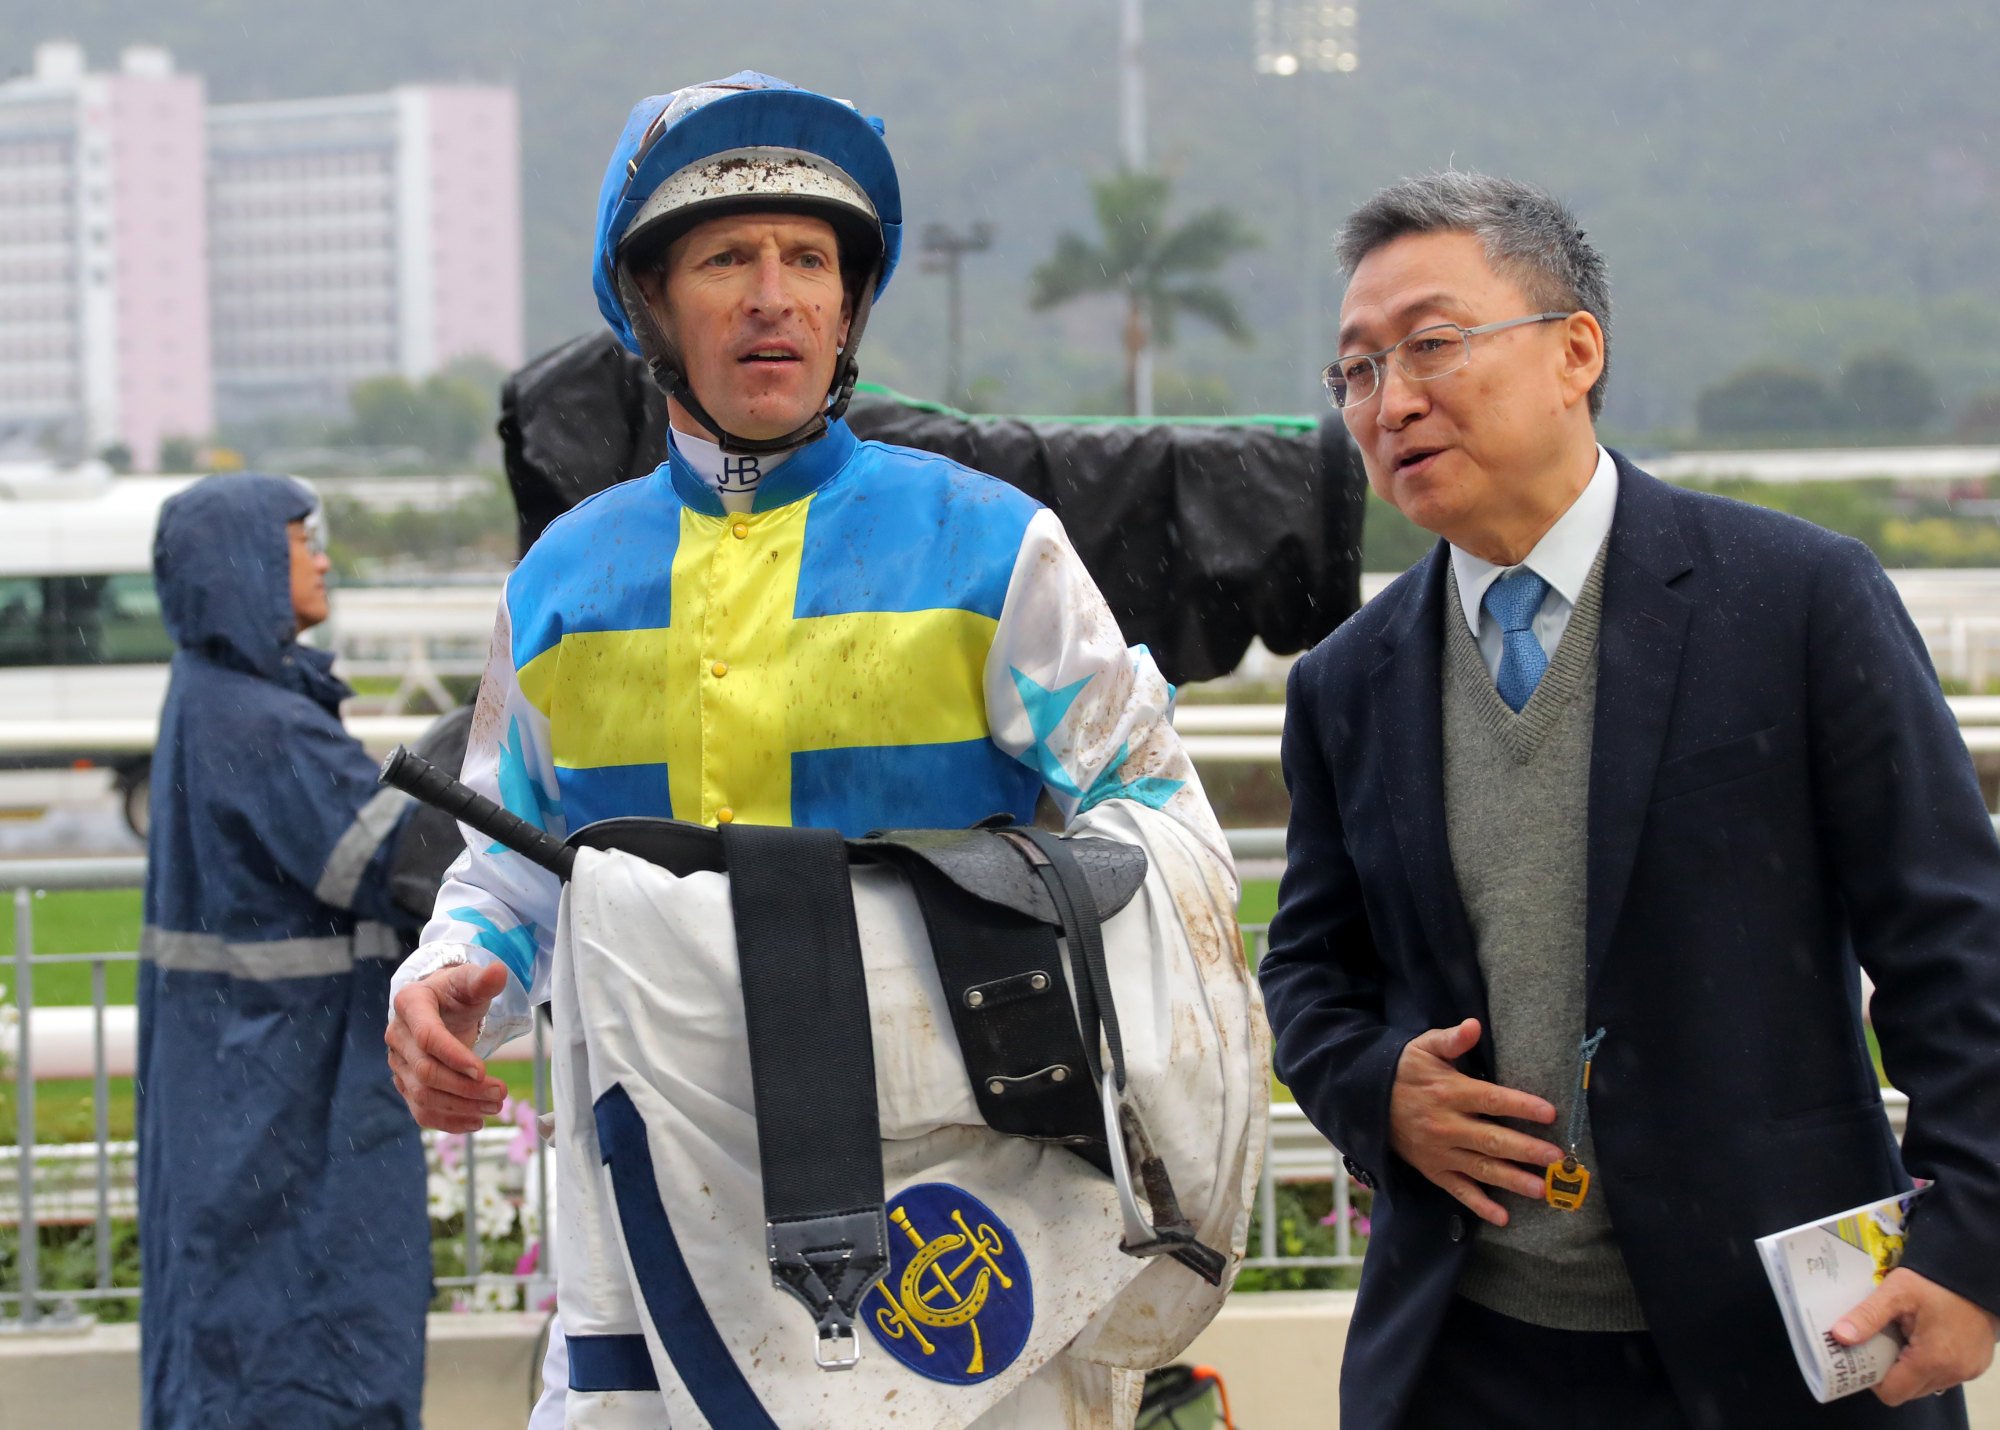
(109, 922)
(106, 922)
(101, 922)
(64, 1111)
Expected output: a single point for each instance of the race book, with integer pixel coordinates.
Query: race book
(1822, 1270)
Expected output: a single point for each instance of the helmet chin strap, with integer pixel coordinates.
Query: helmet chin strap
(674, 383)
(663, 361)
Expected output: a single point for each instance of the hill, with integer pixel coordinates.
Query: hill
(1769, 181)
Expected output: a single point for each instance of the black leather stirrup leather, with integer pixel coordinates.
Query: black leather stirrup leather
(812, 1070)
(1167, 1230)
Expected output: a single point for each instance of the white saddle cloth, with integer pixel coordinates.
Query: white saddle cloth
(1012, 1262)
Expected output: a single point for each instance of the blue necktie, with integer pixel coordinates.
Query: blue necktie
(1512, 601)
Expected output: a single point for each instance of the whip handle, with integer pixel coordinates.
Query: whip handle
(419, 778)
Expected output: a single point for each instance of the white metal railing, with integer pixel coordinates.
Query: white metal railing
(94, 1183)
(380, 733)
(450, 625)
(1247, 733)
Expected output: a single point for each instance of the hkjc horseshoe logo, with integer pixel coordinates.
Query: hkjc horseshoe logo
(958, 1302)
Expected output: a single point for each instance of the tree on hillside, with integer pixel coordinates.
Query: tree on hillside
(1979, 419)
(1160, 269)
(179, 454)
(1766, 397)
(1887, 392)
(444, 415)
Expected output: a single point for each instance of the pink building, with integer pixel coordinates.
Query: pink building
(165, 264)
(361, 235)
(474, 260)
(104, 324)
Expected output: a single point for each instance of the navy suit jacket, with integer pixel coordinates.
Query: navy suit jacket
(1779, 797)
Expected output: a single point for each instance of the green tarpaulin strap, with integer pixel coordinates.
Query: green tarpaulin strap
(1274, 421)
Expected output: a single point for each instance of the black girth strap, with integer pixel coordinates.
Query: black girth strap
(812, 1069)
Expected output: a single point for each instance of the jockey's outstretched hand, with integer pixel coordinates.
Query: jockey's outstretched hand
(430, 1037)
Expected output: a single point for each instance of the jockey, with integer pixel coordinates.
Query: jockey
(782, 624)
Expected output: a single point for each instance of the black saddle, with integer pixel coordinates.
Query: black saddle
(989, 861)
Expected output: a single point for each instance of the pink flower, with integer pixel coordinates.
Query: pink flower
(529, 1260)
(1356, 1218)
(522, 1115)
(449, 1145)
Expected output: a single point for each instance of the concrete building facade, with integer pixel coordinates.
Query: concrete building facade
(166, 264)
(104, 329)
(361, 235)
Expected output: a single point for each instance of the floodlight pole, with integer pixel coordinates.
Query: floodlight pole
(943, 251)
(1298, 39)
(1131, 86)
(1132, 154)
(1312, 331)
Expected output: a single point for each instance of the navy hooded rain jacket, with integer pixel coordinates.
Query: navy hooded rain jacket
(285, 1246)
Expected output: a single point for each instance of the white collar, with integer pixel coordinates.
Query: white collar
(1564, 555)
(725, 473)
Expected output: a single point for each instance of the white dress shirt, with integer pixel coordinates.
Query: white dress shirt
(1563, 558)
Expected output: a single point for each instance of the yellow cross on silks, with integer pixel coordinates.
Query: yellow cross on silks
(734, 684)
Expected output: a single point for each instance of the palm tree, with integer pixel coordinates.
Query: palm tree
(1160, 269)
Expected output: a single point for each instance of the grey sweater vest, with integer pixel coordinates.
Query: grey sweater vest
(1517, 790)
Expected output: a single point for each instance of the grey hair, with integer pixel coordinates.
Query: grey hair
(1528, 233)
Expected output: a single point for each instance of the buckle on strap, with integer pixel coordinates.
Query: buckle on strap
(805, 1008)
(1168, 1232)
(829, 1263)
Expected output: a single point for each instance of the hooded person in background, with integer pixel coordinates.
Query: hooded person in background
(284, 1242)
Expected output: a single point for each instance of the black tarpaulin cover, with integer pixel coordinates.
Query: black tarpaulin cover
(1200, 534)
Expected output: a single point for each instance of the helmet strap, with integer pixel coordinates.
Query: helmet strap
(674, 382)
(664, 362)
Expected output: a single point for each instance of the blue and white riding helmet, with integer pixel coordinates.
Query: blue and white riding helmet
(748, 143)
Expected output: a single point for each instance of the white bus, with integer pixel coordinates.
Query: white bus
(81, 638)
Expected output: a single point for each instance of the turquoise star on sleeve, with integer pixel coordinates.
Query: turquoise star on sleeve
(1150, 790)
(1046, 710)
(514, 947)
(520, 791)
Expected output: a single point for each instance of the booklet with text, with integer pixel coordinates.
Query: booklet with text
(1823, 1270)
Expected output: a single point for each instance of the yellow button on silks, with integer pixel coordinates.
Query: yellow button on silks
(724, 815)
(740, 530)
(719, 669)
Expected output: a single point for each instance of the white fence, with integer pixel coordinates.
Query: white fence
(93, 1183)
(1248, 733)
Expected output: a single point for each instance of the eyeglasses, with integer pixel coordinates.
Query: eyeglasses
(1425, 355)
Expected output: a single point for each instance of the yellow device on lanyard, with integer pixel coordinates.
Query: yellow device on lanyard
(1566, 1183)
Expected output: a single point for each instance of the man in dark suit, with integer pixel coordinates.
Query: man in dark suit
(1619, 789)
